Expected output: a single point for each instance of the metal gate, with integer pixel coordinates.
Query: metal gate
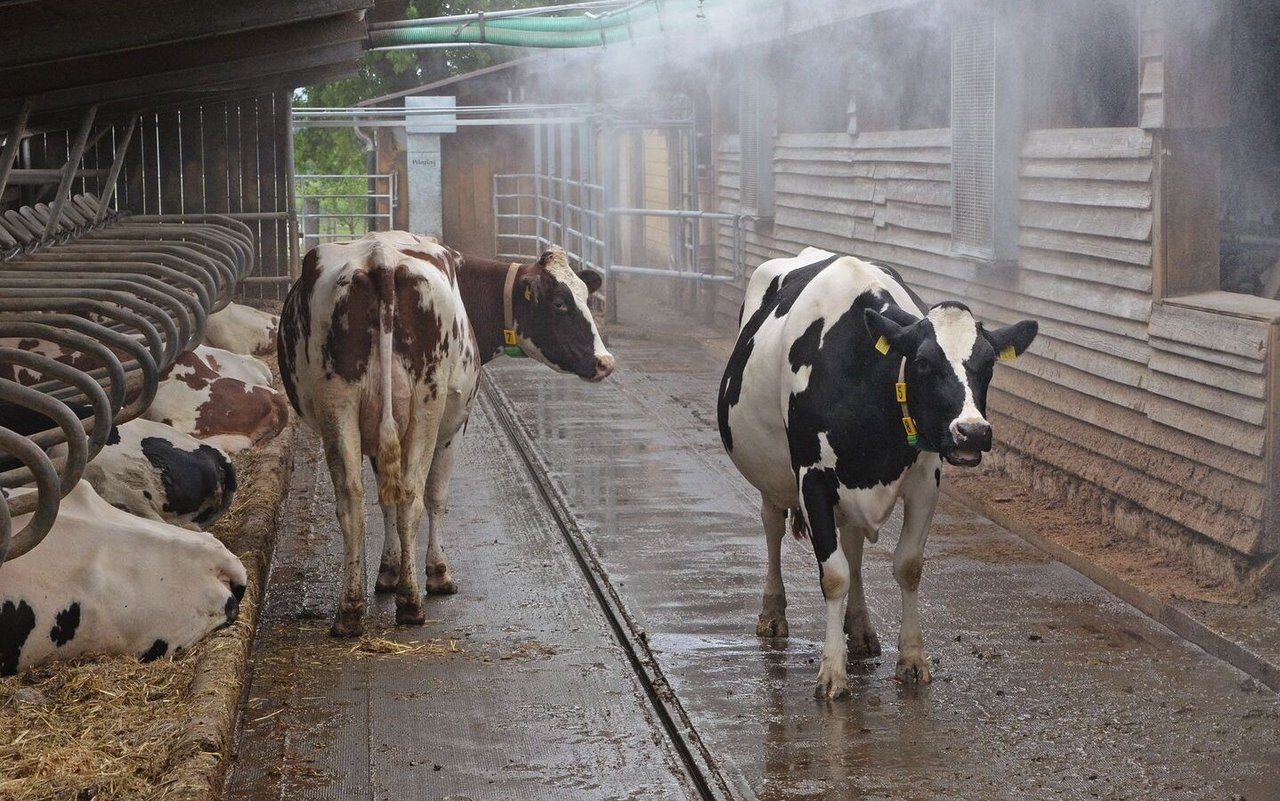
(620, 194)
(339, 207)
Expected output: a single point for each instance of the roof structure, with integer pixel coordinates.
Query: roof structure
(128, 56)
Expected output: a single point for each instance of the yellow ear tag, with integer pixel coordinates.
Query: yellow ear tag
(882, 345)
(508, 336)
(900, 391)
(528, 294)
(1008, 353)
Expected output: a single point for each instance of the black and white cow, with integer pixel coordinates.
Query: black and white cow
(842, 395)
(381, 342)
(156, 471)
(104, 581)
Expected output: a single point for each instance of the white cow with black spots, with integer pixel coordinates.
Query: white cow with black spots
(843, 394)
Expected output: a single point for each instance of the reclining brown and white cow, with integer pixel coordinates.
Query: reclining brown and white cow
(381, 343)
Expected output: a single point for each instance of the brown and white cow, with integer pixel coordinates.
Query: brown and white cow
(242, 329)
(224, 411)
(381, 343)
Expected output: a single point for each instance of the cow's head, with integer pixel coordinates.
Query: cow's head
(552, 321)
(949, 358)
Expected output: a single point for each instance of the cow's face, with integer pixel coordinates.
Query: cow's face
(949, 358)
(552, 320)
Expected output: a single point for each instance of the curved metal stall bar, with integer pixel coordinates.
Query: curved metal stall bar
(73, 306)
(6, 529)
(143, 358)
(220, 267)
(179, 313)
(89, 389)
(77, 442)
(87, 345)
(119, 305)
(43, 501)
(182, 272)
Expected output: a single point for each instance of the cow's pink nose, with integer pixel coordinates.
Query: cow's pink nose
(604, 366)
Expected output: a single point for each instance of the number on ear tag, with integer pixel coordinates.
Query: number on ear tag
(882, 345)
(909, 425)
(900, 391)
(1008, 353)
(508, 336)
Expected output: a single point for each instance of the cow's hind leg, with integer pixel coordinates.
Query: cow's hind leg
(773, 612)
(862, 638)
(389, 564)
(920, 496)
(818, 496)
(420, 444)
(439, 579)
(342, 452)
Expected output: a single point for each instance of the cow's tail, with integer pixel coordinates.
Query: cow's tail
(391, 489)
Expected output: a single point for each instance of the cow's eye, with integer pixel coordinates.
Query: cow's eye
(560, 306)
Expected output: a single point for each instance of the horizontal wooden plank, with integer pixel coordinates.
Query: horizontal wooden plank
(1230, 361)
(1211, 399)
(860, 189)
(887, 140)
(1078, 324)
(1109, 305)
(1169, 464)
(1087, 268)
(1131, 224)
(1119, 250)
(1177, 503)
(912, 172)
(840, 140)
(1091, 400)
(1112, 194)
(1088, 143)
(918, 218)
(801, 202)
(837, 223)
(905, 156)
(927, 193)
(1242, 436)
(1138, 170)
(1219, 332)
(1209, 373)
(827, 170)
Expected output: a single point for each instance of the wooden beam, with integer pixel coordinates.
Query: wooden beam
(191, 64)
(12, 139)
(120, 30)
(69, 171)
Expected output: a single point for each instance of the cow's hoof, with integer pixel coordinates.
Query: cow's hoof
(771, 626)
(862, 639)
(913, 668)
(441, 584)
(388, 579)
(410, 612)
(348, 623)
(833, 679)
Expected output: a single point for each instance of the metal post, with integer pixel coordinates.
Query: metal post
(11, 143)
(537, 186)
(114, 173)
(608, 181)
(69, 170)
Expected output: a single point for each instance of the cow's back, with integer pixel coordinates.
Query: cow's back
(330, 324)
(788, 301)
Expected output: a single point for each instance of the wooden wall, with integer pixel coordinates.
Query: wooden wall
(469, 160)
(1157, 414)
(228, 158)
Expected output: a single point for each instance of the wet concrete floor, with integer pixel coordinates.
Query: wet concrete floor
(1045, 686)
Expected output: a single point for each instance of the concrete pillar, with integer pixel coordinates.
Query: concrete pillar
(425, 184)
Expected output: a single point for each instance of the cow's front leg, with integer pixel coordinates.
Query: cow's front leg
(920, 496)
(389, 565)
(861, 634)
(773, 612)
(342, 452)
(818, 496)
(439, 579)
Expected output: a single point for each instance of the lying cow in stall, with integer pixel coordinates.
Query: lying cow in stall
(842, 395)
(222, 410)
(381, 343)
(155, 471)
(242, 329)
(104, 581)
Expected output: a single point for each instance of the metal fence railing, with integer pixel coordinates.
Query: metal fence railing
(337, 207)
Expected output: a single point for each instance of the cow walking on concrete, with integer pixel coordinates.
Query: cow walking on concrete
(380, 343)
(842, 395)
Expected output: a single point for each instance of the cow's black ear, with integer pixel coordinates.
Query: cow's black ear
(1010, 341)
(592, 279)
(888, 335)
